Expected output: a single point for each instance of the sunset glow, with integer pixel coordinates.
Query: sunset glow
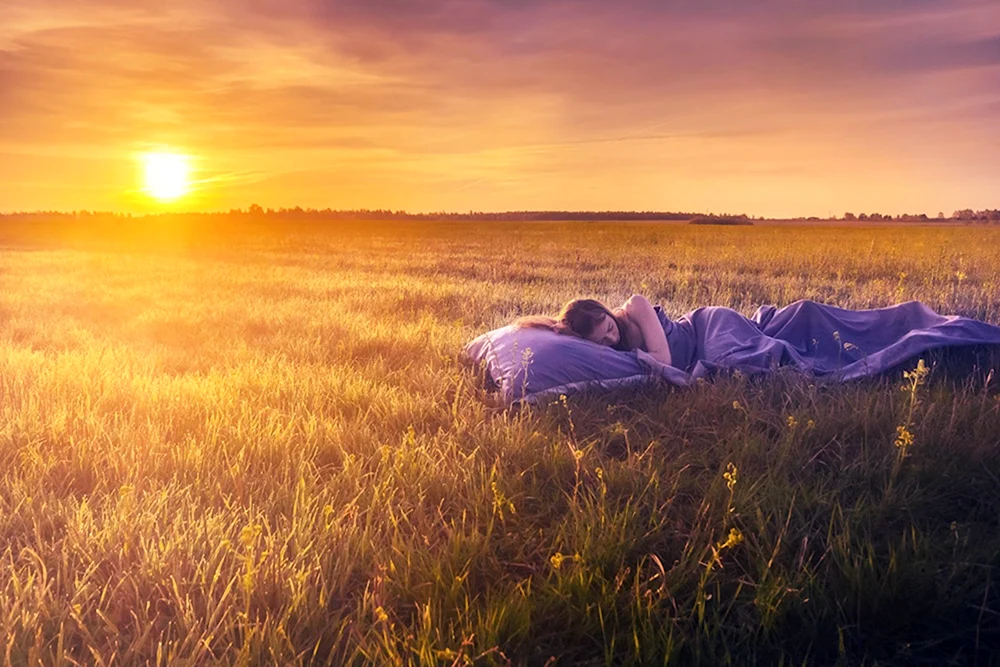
(166, 175)
(774, 108)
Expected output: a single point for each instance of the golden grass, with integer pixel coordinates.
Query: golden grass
(257, 447)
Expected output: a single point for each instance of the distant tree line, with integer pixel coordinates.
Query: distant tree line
(967, 214)
(386, 214)
(256, 212)
(298, 213)
(986, 215)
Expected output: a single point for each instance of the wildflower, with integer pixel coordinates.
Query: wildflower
(380, 614)
(737, 406)
(734, 538)
(730, 475)
(249, 535)
(904, 438)
(558, 559)
(918, 374)
(501, 502)
(792, 421)
(810, 425)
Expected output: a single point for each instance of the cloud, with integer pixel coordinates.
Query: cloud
(404, 94)
(937, 55)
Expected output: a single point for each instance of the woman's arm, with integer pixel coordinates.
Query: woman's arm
(640, 310)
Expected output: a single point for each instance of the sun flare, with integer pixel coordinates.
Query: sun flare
(166, 175)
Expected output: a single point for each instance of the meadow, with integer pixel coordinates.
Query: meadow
(255, 444)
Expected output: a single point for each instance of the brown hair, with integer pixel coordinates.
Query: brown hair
(578, 318)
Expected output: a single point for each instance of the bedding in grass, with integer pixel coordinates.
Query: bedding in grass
(820, 340)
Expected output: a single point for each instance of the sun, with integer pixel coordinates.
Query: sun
(166, 175)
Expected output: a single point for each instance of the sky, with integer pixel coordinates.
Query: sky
(765, 107)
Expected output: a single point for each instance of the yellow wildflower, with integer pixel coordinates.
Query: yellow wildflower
(734, 538)
(904, 438)
(558, 559)
(730, 475)
(249, 534)
(917, 374)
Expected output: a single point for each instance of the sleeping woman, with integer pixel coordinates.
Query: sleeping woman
(814, 337)
(633, 326)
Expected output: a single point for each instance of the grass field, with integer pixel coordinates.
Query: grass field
(256, 446)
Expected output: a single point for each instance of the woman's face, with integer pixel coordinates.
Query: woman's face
(606, 332)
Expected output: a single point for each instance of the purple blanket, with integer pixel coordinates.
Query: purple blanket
(816, 338)
(825, 341)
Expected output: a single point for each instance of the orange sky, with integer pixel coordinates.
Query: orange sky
(772, 107)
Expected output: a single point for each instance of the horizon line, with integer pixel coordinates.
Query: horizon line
(563, 214)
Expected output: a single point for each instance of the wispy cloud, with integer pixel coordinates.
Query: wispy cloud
(769, 107)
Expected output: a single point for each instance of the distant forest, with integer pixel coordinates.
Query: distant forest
(309, 214)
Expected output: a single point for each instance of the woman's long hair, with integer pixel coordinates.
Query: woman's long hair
(578, 318)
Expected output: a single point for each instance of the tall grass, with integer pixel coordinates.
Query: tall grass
(257, 447)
